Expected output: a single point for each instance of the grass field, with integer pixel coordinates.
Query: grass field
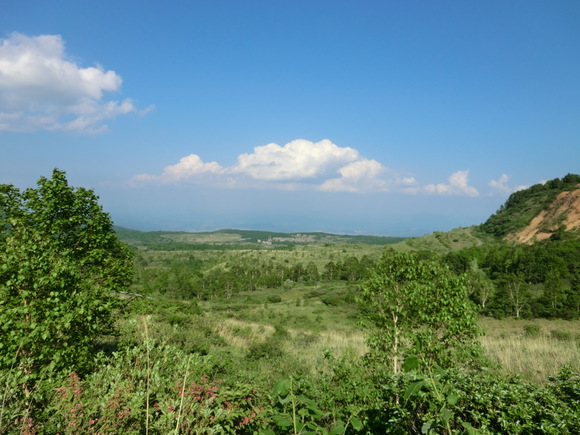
(302, 321)
(534, 349)
(310, 322)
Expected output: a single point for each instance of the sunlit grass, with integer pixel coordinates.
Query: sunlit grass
(535, 349)
(337, 344)
(240, 334)
(306, 346)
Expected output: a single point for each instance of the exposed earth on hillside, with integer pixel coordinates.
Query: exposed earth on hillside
(564, 210)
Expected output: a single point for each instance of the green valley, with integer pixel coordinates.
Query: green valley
(252, 332)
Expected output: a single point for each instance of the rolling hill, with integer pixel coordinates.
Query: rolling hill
(551, 209)
(542, 211)
(235, 239)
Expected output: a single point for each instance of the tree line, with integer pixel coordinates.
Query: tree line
(192, 277)
(537, 281)
(523, 281)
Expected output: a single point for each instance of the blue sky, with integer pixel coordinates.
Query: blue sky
(367, 117)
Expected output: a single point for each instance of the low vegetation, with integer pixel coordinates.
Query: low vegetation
(252, 332)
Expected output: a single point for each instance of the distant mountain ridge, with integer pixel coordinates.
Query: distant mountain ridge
(234, 238)
(540, 212)
(548, 210)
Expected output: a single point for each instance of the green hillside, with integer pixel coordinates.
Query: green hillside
(522, 206)
(440, 242)
(236, 239)
(254, 332)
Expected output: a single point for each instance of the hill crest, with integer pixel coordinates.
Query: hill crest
(538, 212)
(562, 212)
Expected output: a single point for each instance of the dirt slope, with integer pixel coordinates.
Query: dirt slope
(564, 210)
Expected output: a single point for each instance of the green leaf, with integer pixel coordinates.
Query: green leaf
(356, 423)
(452, 399)
(282, 420)
(412, 389)
(283, 387)
(339, 429)
(411, 363)
(446, 415)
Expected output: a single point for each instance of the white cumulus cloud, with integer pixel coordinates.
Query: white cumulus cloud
(360, 176)
(458, 184)
(303, 165)
(300, 164)
(42, 89)
(189, 168)
(296, 160)
(500, 184)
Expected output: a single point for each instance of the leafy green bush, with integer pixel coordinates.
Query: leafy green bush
(296, 413)
(419, 306)
(561, 335)
(566, 385)
(274, 299)
(432, 400)
(532, 330)
(61, 271)
(151, 388)
(271, 348)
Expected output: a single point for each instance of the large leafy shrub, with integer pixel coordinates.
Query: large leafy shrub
(61, 266)
(417, 306)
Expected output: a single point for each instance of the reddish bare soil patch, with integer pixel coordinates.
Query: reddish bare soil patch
(564, 210)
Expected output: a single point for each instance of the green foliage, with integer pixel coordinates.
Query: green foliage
(566, 386)
(442, 243)
(560, 335)
(541, 280)
(296, 413)
(274, 299)
(411, 301)
(60, 263)
(532, 330)
(158, 389)
(429, 400)
(208, 360)
(269, 349)
(229, 239)
(151, 388)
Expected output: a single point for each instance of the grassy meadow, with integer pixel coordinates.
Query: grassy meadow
(311, 319)
(305, 322)
(534, 349)
(220, 333)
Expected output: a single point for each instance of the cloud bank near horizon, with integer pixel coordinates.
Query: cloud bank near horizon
(304, 165)
(42, 89)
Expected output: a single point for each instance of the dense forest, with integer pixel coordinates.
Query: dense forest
(110, 330)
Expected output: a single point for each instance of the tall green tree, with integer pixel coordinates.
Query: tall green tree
(480, 287)
(518, 294)
(61, 266)
(410, 301)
